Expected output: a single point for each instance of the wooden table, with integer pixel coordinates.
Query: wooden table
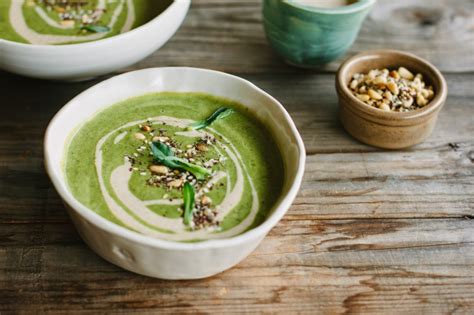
(371, 231)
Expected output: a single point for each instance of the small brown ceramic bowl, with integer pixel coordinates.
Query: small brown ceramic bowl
(389, 130)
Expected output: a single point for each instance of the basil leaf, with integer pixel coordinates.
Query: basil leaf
(164, 154)
(218, 114)
(161, 150)
(95, 28)
(188, 197)
(199, 172)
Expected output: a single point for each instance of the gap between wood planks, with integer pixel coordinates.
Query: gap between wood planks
(285, 218)
(388, 218)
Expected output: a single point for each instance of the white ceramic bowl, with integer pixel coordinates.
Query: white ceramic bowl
(86, 60)
(155, 257)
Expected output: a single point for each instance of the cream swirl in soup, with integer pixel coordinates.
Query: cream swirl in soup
(50, 22)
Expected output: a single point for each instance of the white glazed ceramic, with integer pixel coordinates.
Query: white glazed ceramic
(86, 60)
(155, 257)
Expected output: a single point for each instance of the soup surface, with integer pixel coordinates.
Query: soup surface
(138, 163)
(51, 22)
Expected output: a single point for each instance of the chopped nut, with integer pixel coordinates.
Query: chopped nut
(380, 81)
(428, 94)
(354, 84)
(392, 86)
(420, 100)
(385, 107)
(394, 74)
(371, 75)
(59, 9)
(417, 84)
(175, 183)
(363, 97)
(405, 73)
(68, 23)
(159, 169)
(373, 94)
(146, 128)
(139, 136)
(205, 200)
(407, 102)
(202, 147)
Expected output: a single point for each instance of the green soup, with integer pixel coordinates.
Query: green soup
(51, 22)
(112, 167)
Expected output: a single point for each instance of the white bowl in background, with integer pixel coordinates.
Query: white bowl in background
(82, 61)
(151, 256)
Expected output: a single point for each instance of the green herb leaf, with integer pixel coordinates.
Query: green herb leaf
(218, 114)
(188, 197)
(95, 28)
(164, 154)
(199, 172)
(161, 151)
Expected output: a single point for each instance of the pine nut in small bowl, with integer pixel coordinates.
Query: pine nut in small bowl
(389, 99)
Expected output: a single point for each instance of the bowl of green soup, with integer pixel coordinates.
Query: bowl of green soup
(174, 173)
(76, 40)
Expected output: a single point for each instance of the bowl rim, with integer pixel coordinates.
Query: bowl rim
(92, 44)
(354, 102)
(359, 5)
(280, 208)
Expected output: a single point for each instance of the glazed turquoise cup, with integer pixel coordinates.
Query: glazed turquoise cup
(308, 36)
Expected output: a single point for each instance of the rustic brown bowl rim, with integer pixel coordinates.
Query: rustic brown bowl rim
(354, 102)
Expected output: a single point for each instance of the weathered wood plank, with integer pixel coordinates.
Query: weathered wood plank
(312, 102)
(310, 99)
(302, 266)
(371, 231)
(228, 35)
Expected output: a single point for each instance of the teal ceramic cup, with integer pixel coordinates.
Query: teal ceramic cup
(309, 36)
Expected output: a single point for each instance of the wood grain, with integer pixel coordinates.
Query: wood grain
(227, 35)
(370, 232)
(303, 266)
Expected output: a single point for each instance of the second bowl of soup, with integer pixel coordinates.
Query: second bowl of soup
(77, 40)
